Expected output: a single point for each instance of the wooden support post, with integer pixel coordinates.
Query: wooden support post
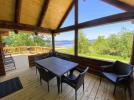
(76, 29)
(2, 68)
(53, 43)
(131, 84)
(132, 54)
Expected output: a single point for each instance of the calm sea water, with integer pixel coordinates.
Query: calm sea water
(67, 43)
(64, 43)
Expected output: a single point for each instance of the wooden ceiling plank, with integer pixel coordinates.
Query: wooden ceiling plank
(24, 27)
(101, 21)
(66, 14)
(120, 5)
(42, 13)
(17, 13)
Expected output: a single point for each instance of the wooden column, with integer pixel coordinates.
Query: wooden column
(132, 54)
(2, 68)
(76, 28)
(131, 88)
(53, 43)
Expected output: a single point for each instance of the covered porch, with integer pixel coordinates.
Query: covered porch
(18, 18)
(32, 90)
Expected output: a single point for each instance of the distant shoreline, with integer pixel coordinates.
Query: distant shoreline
(64, 43)
(67, 43)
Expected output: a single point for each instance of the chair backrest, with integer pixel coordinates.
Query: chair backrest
(8, 59)
(121, 68)
(43, 72)
(39, 57)
(36, 58)
(80, 78)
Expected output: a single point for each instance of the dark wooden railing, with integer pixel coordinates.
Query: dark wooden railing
(94, 64)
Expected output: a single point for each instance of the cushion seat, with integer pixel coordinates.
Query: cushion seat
(111, 76)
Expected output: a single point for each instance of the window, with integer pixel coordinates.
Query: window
(94, 9)
(70, 19)
(64, 42)
(109, 42)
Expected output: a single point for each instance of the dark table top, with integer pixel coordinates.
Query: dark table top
(57, 65)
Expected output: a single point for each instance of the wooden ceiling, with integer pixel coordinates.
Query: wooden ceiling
(129, 2)
(43, 15)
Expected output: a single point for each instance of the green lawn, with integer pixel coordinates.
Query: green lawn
(93, 55)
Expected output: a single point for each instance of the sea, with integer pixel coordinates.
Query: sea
(64, 43)
(68, 43)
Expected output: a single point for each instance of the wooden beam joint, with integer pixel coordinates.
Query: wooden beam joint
(101, 21)
(23, 27)
(120, 5)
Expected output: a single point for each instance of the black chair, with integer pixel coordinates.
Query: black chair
(45, 75)
(118, 72)
(73, 81)
(39, 57)
(8, 62)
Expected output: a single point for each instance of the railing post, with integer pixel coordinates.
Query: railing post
(76, 28)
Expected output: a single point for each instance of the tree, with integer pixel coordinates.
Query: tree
(83, 43)
(100, 45)
(25, 39)
(113, 44)
(126, 43)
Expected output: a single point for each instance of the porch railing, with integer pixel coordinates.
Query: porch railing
(27, 49)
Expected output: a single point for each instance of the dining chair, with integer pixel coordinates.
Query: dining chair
(39, 57)
(74, 81)
(45, 75)
(8, 62)
(118, 72)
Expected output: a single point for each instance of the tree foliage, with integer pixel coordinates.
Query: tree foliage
(118, 44)
(25, 39)
(83, 43)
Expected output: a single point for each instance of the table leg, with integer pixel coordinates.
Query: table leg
(58, 83)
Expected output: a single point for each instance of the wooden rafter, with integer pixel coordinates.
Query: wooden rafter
(42, 13)
(23, 27)
(104, 20)
(120, 5)
(17, 12)
(65, 15)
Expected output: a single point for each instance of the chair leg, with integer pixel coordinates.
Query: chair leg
(36, 70)
(40, 81)
(100, 79)
(83, 87)
(125, 90)
(75, 94)
(61, 87)
(48, 86)
(14, 65)
(114, 89)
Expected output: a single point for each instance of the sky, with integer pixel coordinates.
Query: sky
(93, 9)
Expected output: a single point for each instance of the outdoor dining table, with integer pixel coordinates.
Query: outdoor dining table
(57, 66)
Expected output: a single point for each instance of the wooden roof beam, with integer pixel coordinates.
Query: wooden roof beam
(17, 13)
(101, 21)
(42, 13)
(120, 5)
(24, 27)
(66, 14)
